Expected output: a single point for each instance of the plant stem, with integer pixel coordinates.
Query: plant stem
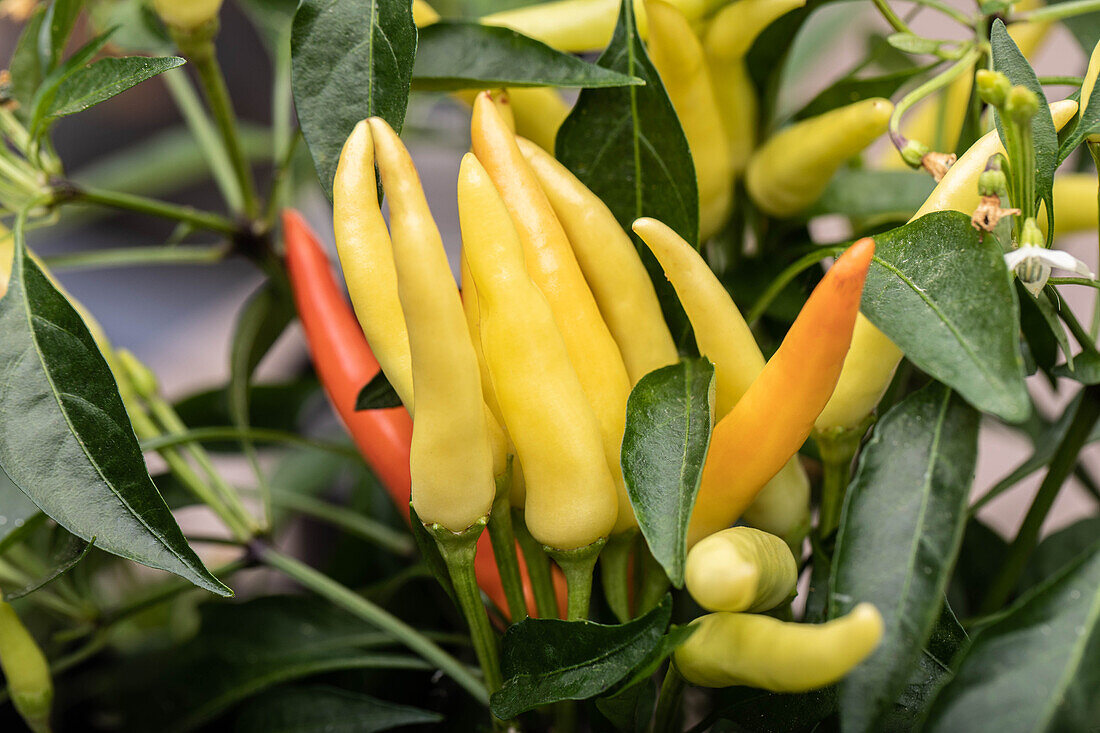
(1064, 461)
(577, 565)
(198, 47)
(538, 568)
(260, 435)
(1059, 11)
(965, 63)
(127, 256)
(655, 582)
(152, 207)
(838, 448)
(347, 599)
(365, 528)
(891, 17)
(790, 272)
(667, 719)
(503, 540)
(615, 575)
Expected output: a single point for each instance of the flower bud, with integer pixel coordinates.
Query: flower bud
(913, 153)
(186, 15)
(992, 183)
(993, 87)
(1021, 104)
(1031, 235)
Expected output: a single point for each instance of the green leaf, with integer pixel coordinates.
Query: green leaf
(869, 193)
(430, 554)
(26, 66)
(351, 59)
(454, 54)
(328, 709)
(668, 424)
(270, 406)
(1008, 60)
(104, 79)
(1087, 123)
(65, 438)
(377, 394)
(545, 660)
(68, 558)
(47, 90)
(1034, 669)
(630, 709)
(1058, 550)
(627, 146)
(903, 521)
(850, 89)
(242, 649)
(58, 26)
(932, 670)
(911, 43)
(756, 711)
(942, 294)
(17, 511)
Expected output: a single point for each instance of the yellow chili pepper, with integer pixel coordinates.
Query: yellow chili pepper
(571, 501)
(723, 336)
(679, 59)
(727, 40)
(26, 671)
(187, 14)
(873, 357)
(730, 649)
(741, 569)
(451, 460)
(535, 113)
(791, 170)
(554, 269)
(610, 264)
(1074, 204)
(424, 14)
(1088, 86)
(783, 506)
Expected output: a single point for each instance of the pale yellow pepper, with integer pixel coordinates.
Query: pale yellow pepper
(791, 170)
(1074, 204)
(535, 113)
(451, 459)
(872, 358)
(26, 671)
(571, 498)
(610, 264)
(187, 14)
(679, 59)
(741, 569)
(553, 267)
(730, 649)
(1087, 87)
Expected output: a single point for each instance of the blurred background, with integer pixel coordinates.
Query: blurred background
(179, 319)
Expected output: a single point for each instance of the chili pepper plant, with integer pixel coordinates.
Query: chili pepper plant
(675, 428)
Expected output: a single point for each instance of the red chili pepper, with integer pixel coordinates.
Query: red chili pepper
(345, 364)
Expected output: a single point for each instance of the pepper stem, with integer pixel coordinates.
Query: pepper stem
(615, 575)
(667, 718)
(654, 585)
(503, 540)
(838, 448)
(577, 564)
(458, 551)
(538, 568)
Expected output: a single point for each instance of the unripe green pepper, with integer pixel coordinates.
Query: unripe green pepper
(791, 170)
(730, 649)
(741, 569)
(26, 671)
(187, 15)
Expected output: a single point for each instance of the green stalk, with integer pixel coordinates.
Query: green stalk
(458, 551)
(615, 575)
(151, 207)
(503, 539)
(365, 528)
(1064, 461)
(790, 272)
(260, 435)
(198, 46)
(654, 585)
(577, 565)
(538, 568)
(347, 599)
(838, 448)
(1059, 11)
(667, 719)
(965, 63)
(891, 17)
(127, 256)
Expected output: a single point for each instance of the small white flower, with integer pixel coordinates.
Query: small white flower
(1033, 265)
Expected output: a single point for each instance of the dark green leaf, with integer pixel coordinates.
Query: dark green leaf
(270, 406)
(668, 424)
(545, 660)
(1008, 60)
(241, 650)
(630, 709)
(902, 523)
(867, 193)
(852, 89)
(453, 54)
(1042, 329)
(104, 79)
(47, 90)
(1057, 550)
(352, 59)
(1087, 123)
(26, 66)
(1036, 668)
(328, 709)
(65, 438)
(75, 552)
(626, 144)
(943, 295)
(377, 394)
(748, 710)
(16, 509)
(981, 551)
(429, 553)
(645, 670)
(60, 19)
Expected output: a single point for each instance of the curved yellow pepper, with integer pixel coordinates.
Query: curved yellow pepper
(1087, 87)
(610, 264)
(873, 358)
(553, 267)
(741, 569)
(1074, 204)
(451, 459)
(535, 113)
(759, 651)
(723, 336)
(727, 39)
(679, 59)
(791, 170)
(187, 14)
(571, 500)
(26, 671)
